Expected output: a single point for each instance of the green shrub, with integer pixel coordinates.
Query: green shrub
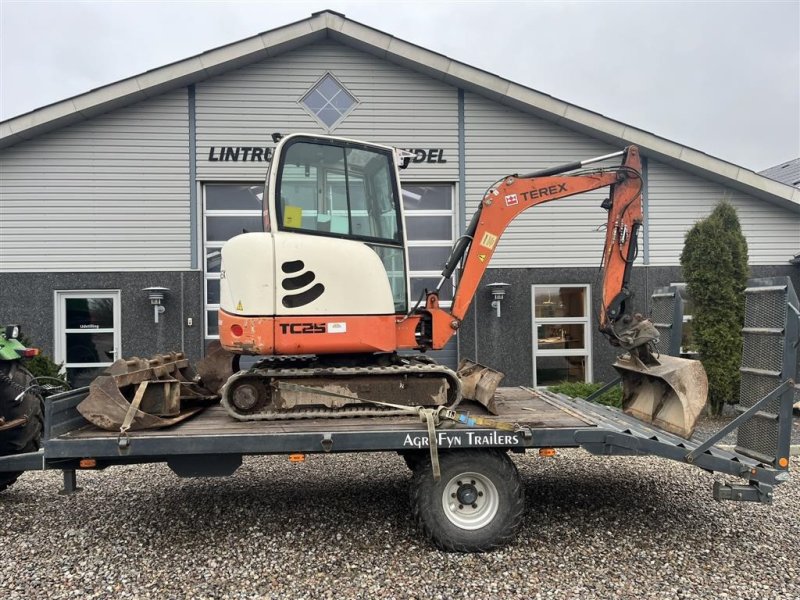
(42, 365)
(574, 389)
(714, 262)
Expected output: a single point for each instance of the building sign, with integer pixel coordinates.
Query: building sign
(427, 155)
(259, 154)
(239, 154)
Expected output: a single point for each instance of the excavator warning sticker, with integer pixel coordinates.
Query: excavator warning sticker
(488, 240)
(337, 327)
(239, 306)
(482, 257)
(512, 200)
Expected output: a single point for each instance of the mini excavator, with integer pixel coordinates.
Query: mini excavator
(322, 293)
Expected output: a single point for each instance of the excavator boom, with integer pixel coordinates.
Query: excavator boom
(667, 391)
(514, 194)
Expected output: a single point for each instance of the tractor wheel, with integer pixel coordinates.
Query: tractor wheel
(476, 506)
(14, 378)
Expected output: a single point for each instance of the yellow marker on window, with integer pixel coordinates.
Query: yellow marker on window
(292, 216)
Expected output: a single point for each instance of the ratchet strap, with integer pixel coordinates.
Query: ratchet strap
(131, 414)
(432, 417)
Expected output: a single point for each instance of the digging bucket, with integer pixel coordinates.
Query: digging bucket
(479, 382)
(670, 393)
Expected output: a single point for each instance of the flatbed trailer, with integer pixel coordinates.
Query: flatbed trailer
(475, 505)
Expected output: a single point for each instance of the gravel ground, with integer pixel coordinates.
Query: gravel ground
(708, 426)
(338, 527)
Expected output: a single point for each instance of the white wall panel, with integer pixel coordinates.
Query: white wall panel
(112, 193)
(501, 141)
(107, 194)
(679, 199)
(397, 107)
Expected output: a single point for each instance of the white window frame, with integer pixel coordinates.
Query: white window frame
(343, 115)
(453, 214)
(60, 332)
(586, 320)
(218, 245)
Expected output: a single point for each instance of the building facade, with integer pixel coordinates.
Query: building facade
(139, 183)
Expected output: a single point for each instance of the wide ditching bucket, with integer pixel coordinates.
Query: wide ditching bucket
(668, 392)
(145, 394)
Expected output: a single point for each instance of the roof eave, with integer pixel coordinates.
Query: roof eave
(334, 25)
(163, 79)
(557, 111)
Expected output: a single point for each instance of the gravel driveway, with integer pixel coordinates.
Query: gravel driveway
(338, 527)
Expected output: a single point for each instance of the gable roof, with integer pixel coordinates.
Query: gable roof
(335, 26)
(788, 172)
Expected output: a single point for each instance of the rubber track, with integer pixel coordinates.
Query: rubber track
(332, 373)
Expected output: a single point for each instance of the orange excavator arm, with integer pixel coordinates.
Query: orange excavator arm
(515, 194)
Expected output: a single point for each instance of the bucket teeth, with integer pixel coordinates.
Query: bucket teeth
(670, 394)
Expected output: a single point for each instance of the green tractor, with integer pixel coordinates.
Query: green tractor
(21, 400)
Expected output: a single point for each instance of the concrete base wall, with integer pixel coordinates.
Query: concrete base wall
(28, 299)
(507, 343)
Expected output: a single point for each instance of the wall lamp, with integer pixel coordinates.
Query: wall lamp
(498, 291)
(156, 295)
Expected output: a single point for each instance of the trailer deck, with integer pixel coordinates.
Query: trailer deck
(461, 473)
(212, 443)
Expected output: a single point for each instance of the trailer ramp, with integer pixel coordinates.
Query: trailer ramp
(617, 434)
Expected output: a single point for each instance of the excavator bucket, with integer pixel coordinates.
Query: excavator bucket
(149, 393)
(670, 393)
(216, 367)
(479, 383)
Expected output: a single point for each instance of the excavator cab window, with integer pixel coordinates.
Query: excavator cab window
(333, 188)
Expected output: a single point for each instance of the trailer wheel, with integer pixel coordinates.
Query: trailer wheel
(413, 458)
(26, 438)
(476, 506)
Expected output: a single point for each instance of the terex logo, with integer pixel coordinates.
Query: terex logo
(300, 328)
(545, 191)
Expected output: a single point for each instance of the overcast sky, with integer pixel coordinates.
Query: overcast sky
(722, 77)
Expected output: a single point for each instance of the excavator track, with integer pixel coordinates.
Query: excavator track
(255, 395)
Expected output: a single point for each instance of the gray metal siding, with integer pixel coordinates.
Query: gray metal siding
(396, 106)
(108, 194)
(501, 141)
(679, 199)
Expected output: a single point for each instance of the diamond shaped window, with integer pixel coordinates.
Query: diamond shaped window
(329, 101)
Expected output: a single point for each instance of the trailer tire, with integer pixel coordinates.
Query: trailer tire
(487, 478)
(13, 379)
(413, 458)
